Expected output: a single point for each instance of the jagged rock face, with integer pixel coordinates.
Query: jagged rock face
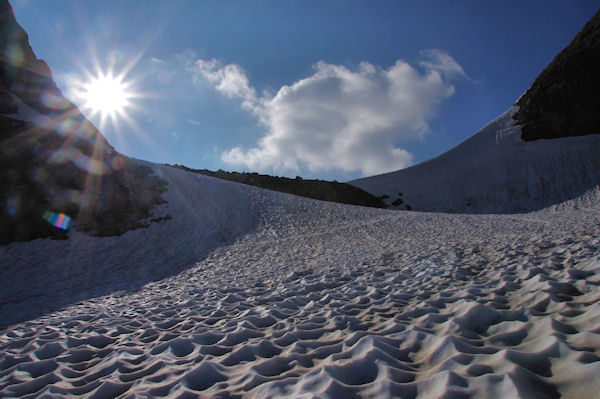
(55, 166)
(21, 73)
(564, 100)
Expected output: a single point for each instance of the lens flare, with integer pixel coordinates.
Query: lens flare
(58, 220)
(117, 163)
(11, 206)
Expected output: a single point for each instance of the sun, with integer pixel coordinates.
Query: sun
(106, 94)
(104, 97)
(109, 98)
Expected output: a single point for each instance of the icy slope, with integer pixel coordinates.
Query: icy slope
(494, 171)
(283, 296)
(201, 214)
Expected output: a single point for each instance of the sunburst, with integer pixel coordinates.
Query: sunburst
(107, 95)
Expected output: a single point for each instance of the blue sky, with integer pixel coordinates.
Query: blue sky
(322, 89)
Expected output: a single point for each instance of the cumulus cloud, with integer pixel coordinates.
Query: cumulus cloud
(338, 118)
(229, 79)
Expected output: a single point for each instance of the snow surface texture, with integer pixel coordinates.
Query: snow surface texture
(282, 296)
(494, 171)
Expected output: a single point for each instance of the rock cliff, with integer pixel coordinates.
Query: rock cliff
(564, 100)
(57, 171)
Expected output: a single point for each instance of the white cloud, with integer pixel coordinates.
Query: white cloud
(229, 79)
(338, 118)
(436, 60)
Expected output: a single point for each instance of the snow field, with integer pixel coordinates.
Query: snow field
(272, 295)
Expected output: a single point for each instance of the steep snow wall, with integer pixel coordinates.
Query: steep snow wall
(495, 171)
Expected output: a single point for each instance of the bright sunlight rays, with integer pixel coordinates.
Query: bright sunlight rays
(106, 95)
(108, 99)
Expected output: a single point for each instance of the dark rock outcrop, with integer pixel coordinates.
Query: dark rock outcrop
(21, 73)
(564, 100)
(316, 189)
(54, 164)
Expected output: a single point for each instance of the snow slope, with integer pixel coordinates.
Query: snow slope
(494, 171)
(201, 214)
(272, 295)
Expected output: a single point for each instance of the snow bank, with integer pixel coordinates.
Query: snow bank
(494, 171)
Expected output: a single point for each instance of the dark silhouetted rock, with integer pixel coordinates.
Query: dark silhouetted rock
(564, 100)
(53, 162)
(316, 189)
(21, 73)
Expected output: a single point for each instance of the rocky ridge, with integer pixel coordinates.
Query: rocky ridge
(564, 100)
(57, 171)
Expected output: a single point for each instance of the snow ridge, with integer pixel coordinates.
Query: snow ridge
(494, 171)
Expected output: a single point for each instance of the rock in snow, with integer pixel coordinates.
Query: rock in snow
(233, 291)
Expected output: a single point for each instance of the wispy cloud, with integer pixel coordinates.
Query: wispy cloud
(229, 79)
(338, 118)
